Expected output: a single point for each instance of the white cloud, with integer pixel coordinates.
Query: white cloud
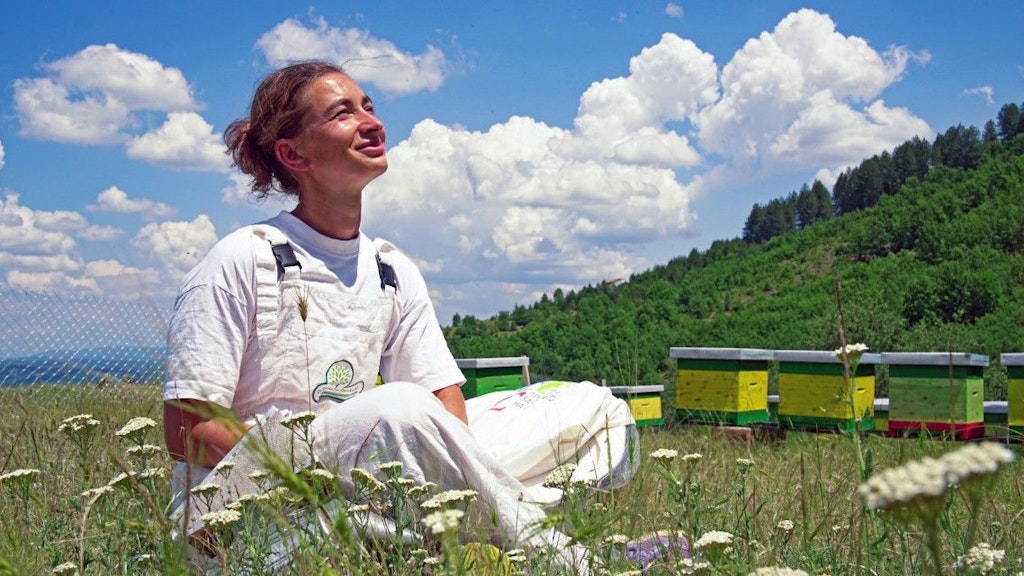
(114, 199)
(1, 155)
(114, 279)
(57, 282)
(673, 10)
(96, 96)
(527, 206)
(34, 233)
(184, 141)
(788, 98)
(985, 92)
(175, 247)
(366, 58)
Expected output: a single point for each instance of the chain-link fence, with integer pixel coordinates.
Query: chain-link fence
(48, 339)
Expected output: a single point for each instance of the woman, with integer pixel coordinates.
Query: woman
(303, 311)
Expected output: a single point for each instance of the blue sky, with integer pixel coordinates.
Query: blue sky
(533, 145)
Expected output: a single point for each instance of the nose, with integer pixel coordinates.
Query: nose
(368, 122)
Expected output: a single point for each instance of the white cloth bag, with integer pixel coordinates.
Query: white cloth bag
(539, 427)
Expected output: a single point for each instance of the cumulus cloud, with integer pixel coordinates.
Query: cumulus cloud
(1, 155)
(115, 200)
(96, 96)
(366, 58)
(805, 94)
(526, 206)
(673, 10)
(184, 141)
(175, 247)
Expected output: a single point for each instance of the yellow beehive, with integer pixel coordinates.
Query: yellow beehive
(813, 392)
(722, 385)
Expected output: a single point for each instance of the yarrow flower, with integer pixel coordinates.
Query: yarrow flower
(981, 558)
(22, 476)
(391, 469)
(207, 489)
(714, 538)
(300, 420)
(744, 462)
(664, 455)
(144, 450)
(616, 539)
(853, 351)
(921, 483)
(94, 494)
(78, 423)
(65, 568)
(448, 499)
(692, 566)
(136, 427)
(221, 518)
(777, 571)
(695, 457)
(785, 525)
(560, 476)
(363, 479)
(443, 520)
(516, 555)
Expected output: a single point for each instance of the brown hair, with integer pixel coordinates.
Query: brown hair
(276, 112)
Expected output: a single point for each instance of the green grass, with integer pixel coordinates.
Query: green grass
(809, 480)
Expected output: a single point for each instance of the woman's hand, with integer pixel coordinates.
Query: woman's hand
(199, 432)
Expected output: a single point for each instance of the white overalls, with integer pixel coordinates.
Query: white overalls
(328, 363)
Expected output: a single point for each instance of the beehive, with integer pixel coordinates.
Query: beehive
(814, 394)
(485, 375)
(644, 402)
(940, 392)
(722, 385)
(1014, 364)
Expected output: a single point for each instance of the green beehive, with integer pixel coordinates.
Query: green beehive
(1014, 364)
(813, 392)
(485, 375)
(936, 392)
(722, 385)
(644, 402)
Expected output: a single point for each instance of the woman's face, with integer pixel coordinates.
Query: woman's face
(342, 142)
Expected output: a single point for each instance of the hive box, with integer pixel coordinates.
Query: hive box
(644, 402)
(813, 392)
(485, 375)
(722, 385)
(936, 392)
(1014, 364)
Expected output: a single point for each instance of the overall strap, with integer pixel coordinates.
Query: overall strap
(272, 266)
(388, 278)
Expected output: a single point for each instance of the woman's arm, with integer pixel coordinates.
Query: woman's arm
(453, 400)
(194, 433)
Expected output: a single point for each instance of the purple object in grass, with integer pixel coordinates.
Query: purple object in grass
(657, 545)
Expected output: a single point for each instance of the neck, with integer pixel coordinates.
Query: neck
(331, 218)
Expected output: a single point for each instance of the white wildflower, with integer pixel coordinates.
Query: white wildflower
(300, 420)
(319, 474)
(744, 462)
(616, 539)
(516, 555)
(23, 476)
(94, 494)
(693, 458)
(692, 566)
(144, 450)
(363, 479)
(78, 423)
(981, 558)
(664, 455)
(853, 351)
(224, 467)
(391, 469)
(207, 489)
(448, 499)
(785, 525)
(136, 427)
(777, 571)
(65, 568)
(560, 476)
(221, 518)
(443, 520)
(713, 539)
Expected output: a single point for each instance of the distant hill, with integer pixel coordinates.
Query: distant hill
(925, 260)
(101, 365)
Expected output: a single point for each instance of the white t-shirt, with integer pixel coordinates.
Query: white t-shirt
(212, 334)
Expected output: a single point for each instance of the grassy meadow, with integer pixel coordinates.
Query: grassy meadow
(88, 495)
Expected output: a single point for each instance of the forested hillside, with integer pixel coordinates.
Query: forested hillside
(928, 259)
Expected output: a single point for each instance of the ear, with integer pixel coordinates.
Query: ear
(288, 156)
